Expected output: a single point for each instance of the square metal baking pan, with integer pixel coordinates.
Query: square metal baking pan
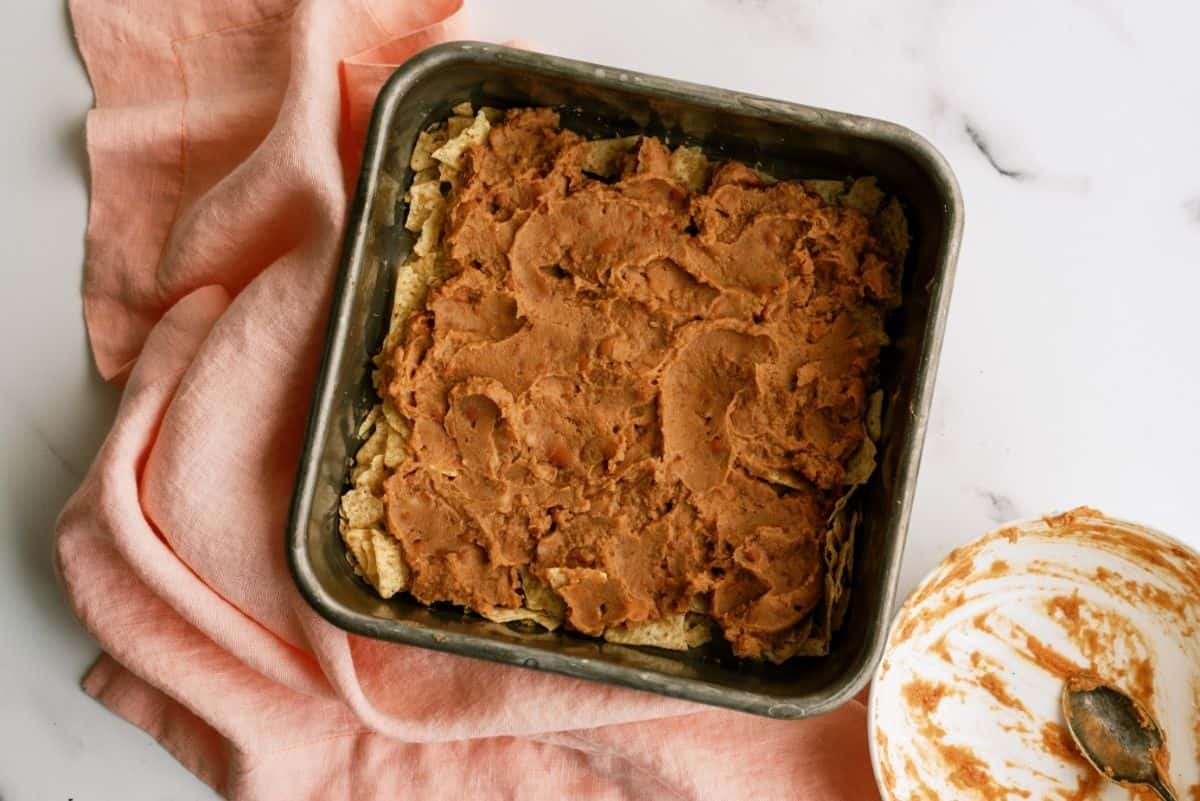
(787, 140)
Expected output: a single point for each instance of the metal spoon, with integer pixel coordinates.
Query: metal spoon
(1116, 735)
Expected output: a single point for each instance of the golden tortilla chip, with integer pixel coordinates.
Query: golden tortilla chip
(839, 560)
(678, 632)
(841, 531)
(559, 576)
(448, 175)
(374, 446)
(828, 191)
(427, 144)
(874, 420)
(397, 447)
(376, 557)
(862, 464)
(839, 556)
(456, 125)
(864, 195)
(519, 614)
(361, 509)
(395, 420)
(843, 567)
(540, 598)
(424, 200)
(765, 177)
(370, 477)
(451, 153)
(690, 168)
(409, 295)
(463, 109)
(368, 422)
(603, 156)
(813, 636)
(785, 478)
(796, 642)
(374, 554)
(431, 232)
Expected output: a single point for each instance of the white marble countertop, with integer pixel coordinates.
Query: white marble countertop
(1069, 373)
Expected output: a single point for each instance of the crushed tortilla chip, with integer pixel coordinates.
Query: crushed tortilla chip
(424, 200)
(451, 153)
(603, 156)
(797, 642)
(828, 191)
(862, 463)
(864, 195)
(455, 126)
(376, 556)
(559, 576)
(678, 632)
(521, 613)
(431, 232)
(397, 447)
(411, 287)
(427, 144)
(370, 477)
(784, 478)
(368, 421)
(395, 420)
(765, 177)
(412, 284)
(374, 446)
(840, 572)
(690, 167)
(361, 509)
(875, 415)
(541, 598)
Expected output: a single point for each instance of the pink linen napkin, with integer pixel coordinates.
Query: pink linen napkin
(223, 141)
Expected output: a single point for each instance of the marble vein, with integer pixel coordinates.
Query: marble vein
(18, 410)
(982, 146)
(70, 469)
(1001, 508)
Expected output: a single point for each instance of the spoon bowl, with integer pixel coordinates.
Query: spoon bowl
(1116, 734)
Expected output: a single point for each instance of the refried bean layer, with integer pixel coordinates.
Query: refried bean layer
(645, 397)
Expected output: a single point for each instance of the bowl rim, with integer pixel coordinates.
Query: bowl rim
(1142, 529)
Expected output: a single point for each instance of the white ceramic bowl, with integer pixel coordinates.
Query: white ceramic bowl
(965, 704)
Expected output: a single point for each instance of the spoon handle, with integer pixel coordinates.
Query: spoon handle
(1164, 792)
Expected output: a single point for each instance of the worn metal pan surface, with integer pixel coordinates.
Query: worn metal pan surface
(787, 140)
